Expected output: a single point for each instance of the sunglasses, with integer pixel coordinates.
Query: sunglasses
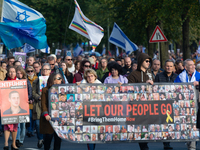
(69, 59)
(30, 71)
(59, 78)
(88, 66)
(147, 61)
(52, 64)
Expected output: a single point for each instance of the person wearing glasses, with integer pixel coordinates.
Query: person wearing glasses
(141, 75)
(45, 71)
(11, 60)
(85, 64)
(45, 126)
(70, 65)
(37, 67)
(31, 77)
(54, 68)
(90, 76)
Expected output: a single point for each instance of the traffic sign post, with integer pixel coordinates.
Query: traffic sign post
(158, 36)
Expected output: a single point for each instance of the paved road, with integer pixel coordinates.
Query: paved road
(31, 144)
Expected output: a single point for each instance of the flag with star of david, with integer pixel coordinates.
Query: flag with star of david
(15, 11)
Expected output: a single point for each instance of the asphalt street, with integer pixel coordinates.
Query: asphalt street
(31, 144)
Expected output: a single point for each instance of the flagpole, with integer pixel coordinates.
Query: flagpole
(108, 34)
(2, 10)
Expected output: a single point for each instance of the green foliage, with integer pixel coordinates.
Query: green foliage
(133, 16)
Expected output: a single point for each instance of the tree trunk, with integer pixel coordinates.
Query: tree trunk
(150, 45)
(164, 46)
(185, 34)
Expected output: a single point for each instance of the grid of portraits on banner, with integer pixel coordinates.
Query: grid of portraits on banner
(66, 103)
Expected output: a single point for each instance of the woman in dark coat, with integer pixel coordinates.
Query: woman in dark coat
(45, 127)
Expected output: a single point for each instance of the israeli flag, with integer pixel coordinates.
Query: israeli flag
(77, 50)
(15, 11)
(46, 50)
(28, 48)
(104, 51)
(117, 51)
(119, 39)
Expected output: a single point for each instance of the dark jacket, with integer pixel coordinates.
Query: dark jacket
(163, 77)
(138, 76)
(45, 126)
(78, 77)
(37, 101)
(126, 71)
(70, 78)
(8, 111)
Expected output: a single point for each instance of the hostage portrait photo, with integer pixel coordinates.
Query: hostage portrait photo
(14, 102)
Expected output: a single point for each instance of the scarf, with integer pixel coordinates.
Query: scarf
(184, 77)
(30, 76)
(8, 78)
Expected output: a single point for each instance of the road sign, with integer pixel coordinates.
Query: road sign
(158, 36)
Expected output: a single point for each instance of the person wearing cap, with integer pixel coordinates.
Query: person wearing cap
(95, 66)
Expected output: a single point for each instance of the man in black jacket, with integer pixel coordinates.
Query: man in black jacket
(167, 76)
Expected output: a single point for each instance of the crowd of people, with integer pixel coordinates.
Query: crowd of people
(85, 69)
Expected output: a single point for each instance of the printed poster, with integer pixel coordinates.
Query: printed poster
(43, 82)
(14, 102)
(20, 56)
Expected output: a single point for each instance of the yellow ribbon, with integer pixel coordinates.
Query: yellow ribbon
(168, 117)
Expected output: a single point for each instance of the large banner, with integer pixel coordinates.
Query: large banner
(14, 102)
(96, 113)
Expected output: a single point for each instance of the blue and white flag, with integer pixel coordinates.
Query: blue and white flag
(15, 11)
(46, 50)
(77, 50)
(15, 34)
(119, 39)
(28, 48)
(104, 51)
(117, 51)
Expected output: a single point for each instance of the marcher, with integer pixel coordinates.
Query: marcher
(141, 75)
(167, 76)
(90, 76)
(189, 75)
(11, 127)
(45, 127)
(21, 132)
(46, 71)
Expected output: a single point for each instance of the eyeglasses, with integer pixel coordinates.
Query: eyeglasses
(59, 78)
(147, 61)
(46, 69)
(88, 66)
(68, 59)
(52, 64)
(30, 71)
